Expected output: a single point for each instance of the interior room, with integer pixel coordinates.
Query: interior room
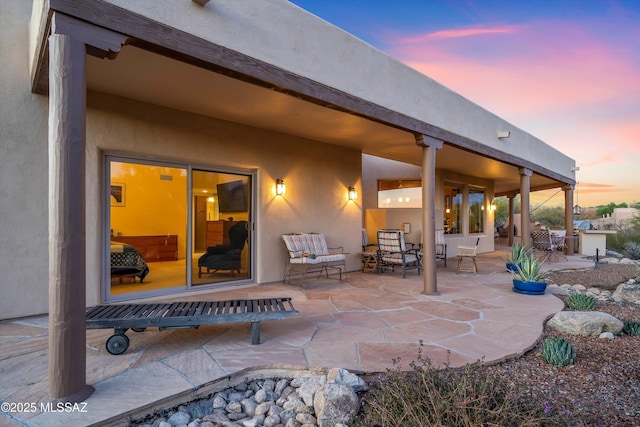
(172, 226)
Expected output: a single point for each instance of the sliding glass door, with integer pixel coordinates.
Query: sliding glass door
(220, 250)
(172, 226)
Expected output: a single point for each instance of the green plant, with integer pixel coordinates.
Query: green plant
(529, 269)
(632, 250)
(558, 351)
(517, 252)
(581, 302)
(473, 395)
(631, 328)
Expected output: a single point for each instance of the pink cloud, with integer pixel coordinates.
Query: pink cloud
(530, 68)
(456, 33)
(601, 160)
(606, 190)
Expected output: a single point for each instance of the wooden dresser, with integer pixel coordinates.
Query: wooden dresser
(153, 248)
(218, 232)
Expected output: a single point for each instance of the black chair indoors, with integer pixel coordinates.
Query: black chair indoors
(225, 257)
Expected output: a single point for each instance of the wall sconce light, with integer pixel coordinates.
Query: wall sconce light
(504, 134)
(353, 193)
(281, 188)
(492, 206)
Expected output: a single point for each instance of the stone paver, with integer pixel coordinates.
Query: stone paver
(363, 324)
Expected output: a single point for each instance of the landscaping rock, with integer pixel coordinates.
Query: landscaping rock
(342, 376)
(335, 403)
(557, 290)
(179, 418)
(627, 292)
(585, 323)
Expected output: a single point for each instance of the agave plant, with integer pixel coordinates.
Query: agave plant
(518, 251)
(558, 351)
(529, 269)
(581, 302)
(631, 328)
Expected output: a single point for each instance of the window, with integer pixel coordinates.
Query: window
(452, 209)
(400, 193)
(476, 210)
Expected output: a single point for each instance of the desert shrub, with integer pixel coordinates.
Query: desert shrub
(632, 250)
(469, 396)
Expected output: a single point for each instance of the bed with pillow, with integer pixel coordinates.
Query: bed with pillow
(127, 261)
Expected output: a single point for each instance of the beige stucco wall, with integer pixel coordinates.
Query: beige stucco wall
(23, 172)
(287, 36)
(317, 175)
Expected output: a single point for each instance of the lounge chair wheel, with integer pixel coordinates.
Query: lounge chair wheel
(117, 344)
(138, 329)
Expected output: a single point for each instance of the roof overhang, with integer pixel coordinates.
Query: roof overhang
(162, 65)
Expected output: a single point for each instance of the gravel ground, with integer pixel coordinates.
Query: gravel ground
(602, 388)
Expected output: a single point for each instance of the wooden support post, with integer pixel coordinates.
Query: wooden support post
(525, 215)
(429, 146)
(568, 218)
(67, 292)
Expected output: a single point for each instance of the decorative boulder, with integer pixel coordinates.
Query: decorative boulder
(585, 323)
(335, 403)
(627, 292)
(342, 376)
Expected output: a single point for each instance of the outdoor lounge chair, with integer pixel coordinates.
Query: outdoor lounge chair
(540, 240)
(393, 252)
(226, 257)
(441, 248)
(557, 245)
(309, 253)
(369, 253)
(469, 252)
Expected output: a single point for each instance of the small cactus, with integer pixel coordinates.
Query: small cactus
(581, 302)
(558, 351)
(631, 328)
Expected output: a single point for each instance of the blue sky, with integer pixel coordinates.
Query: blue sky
(567, 72)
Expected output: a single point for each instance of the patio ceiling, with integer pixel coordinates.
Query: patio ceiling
(148, 77)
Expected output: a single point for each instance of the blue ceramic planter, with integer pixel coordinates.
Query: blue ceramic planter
(529, 288)
(512, 267)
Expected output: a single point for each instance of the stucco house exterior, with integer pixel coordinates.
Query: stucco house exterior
(136, 119)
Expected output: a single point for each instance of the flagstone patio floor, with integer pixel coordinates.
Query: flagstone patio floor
(359, 324)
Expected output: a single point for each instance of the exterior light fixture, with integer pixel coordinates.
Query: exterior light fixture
(577, 210)
(353, 193)
(281, 188)
(492, 206)
(504, 134)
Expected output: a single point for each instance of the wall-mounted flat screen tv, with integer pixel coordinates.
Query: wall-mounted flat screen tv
(232, 197)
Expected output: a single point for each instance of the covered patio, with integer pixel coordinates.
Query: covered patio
(185, 85)
(360, 324)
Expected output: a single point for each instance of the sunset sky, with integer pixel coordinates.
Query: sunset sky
(567, 72)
